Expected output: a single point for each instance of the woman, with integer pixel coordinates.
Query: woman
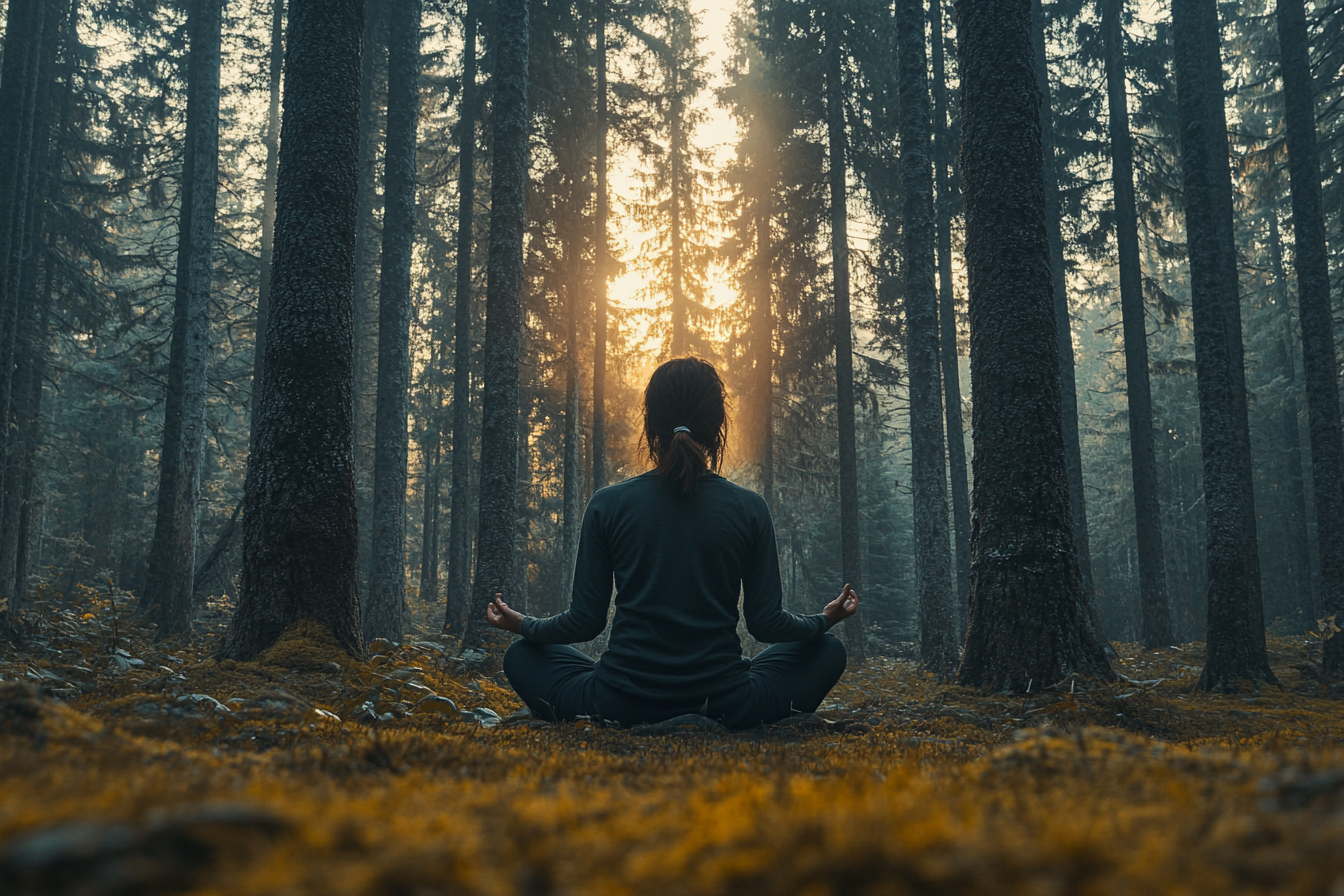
(681, 543)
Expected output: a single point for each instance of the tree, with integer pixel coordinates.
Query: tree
(503, 321)
(277, 63)
(598, 464)
(943, 143)
(933, 560)
(1028, 621)
(299, 527)
(1313, 297)
(172, 558)
(1236, 629)
(1154, 611)
(844, 337)
(459, 526)
(387, 583)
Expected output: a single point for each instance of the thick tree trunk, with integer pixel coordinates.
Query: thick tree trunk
(933, 552)
(1029, 624)
(1236, 636)
(299, 527)
(503, 320)
(599, 436)
(1313, 290)
(277, 65)
(172, 559)
(459, 529)
(844, 345)
(387, 583)
(1155, 612)
(947, 323)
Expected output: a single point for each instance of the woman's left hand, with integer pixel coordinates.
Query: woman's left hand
(501, 616)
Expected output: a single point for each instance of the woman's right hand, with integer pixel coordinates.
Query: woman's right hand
(843, 607)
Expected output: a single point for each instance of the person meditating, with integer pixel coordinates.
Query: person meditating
(681, 542)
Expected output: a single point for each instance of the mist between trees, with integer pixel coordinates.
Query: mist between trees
(790, 208)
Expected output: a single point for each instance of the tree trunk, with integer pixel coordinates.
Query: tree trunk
(299, 527)
(677, 140)
(387, 584)
(1299, 555)
(503, 319)
(1313, 291)
(844, 346)
(277, 63)
(172, 558)
(429, 540)
(763, 328)
(1029, 625)
(372, 92)
(1236, 636)
(1155, 611)
(18, 104)
(933, 554)
(950, 357)
(459, 530)
(599, 436)
(572, 497)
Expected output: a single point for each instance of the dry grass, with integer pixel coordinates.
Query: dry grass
(325, 775)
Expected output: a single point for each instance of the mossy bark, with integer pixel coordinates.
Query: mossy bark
(299, 527)
(1029, 625)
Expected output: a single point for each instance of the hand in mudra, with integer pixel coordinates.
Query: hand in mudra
(502, 616)
(843, 607)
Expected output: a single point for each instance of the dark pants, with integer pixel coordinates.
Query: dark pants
(558, 682)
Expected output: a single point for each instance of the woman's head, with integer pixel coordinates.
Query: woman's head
(685, 394)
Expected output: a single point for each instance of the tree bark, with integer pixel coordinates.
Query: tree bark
(599, 436)
(19, 77)
(1299, 554)
(172, 558)
(459, 530)
(387, 584)
(1154, 608)
(572, 486)
(1236, 635)
(1313, 291)
(844, 346)
(1029, 624)
(763, 326)
(933, 552)
(503, 320)
(429, 540)
(299, 528)
(277, 64)
(677, 140)
(372, 92)
(947, 322)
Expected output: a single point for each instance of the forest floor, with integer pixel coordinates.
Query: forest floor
(128, 767)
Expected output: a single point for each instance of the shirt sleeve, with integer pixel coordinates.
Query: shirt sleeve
(587, 614)
(763, 595)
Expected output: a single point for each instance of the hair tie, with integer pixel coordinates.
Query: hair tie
(685, 429)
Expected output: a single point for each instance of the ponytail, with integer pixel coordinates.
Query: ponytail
(683, 461)
(685, 421)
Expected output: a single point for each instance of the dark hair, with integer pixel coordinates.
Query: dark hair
(685, 392)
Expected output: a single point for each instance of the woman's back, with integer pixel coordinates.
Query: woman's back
(677, 561)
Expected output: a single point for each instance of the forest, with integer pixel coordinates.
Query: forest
(321, 323)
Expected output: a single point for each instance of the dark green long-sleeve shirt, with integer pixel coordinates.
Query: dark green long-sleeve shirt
(679, 562)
